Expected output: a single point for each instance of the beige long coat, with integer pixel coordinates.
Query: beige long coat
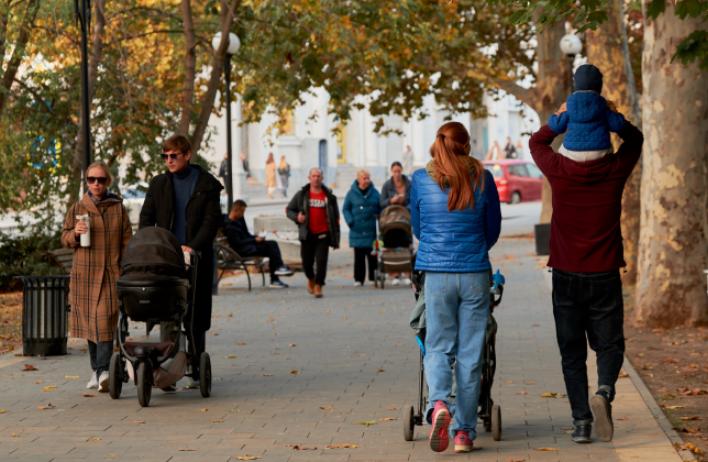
(93, 298)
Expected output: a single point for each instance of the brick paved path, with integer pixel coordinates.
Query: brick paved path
(294, 375)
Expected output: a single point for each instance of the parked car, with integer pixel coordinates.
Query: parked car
(516, 180)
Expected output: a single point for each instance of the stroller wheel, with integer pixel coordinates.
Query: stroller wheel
(205, 374)
(408, 420)
(144, 373)
(116, 371)
(496, 422)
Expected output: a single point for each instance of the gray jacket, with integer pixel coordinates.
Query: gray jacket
(389, 190)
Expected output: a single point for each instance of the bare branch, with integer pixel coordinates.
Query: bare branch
(19, 51)
(190, 64)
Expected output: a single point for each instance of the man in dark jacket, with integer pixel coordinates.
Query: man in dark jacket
(247, 245)
(185, 200)
(314, 209)
(586, 254)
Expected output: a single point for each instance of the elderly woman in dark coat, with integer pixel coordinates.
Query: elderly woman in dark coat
(361, 208)
(95, 270)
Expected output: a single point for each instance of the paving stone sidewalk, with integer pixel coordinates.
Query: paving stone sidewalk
(296, 379)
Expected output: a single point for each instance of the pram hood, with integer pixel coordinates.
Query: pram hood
(153, 250)
(395, 217)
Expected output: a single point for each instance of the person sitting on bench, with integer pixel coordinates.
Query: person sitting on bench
(248, 245)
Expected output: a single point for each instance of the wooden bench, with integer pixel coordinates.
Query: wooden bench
(228, 259)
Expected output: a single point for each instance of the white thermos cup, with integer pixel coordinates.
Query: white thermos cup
(85, 239)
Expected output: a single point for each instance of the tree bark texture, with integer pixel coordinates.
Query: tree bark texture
(606, 48)
(671, 287)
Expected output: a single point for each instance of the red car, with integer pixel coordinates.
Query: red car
(516, 180)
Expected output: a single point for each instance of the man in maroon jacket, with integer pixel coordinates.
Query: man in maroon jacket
(586, 254)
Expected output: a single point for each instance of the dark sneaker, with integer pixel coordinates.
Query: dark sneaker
(581, 433)
(284, 271)
(278, 284)
(439, 436)
(602, 412)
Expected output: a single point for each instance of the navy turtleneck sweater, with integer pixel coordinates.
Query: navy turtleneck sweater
(183, 183)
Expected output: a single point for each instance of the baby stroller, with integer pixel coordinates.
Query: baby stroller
(394, 247)
(156, 286)
(489, 412)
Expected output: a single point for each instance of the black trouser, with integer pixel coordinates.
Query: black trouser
(588, 304)
(314, 252)
(100, 355)
(361, 255)
(271, 250)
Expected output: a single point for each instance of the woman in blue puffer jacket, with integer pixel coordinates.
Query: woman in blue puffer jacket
(361, 209)
(456, 216)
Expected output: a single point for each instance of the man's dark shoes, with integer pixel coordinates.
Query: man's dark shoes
(278, 284)
(581, 432)
(602, 412)
(284, 271)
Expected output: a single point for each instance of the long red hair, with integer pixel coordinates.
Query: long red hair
(454, 168)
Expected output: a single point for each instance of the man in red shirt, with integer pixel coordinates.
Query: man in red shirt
(314, 209)
(586, 254)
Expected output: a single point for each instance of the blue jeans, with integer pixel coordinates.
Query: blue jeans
(457, 308)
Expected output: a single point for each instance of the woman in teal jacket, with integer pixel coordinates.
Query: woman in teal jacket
(361, 209)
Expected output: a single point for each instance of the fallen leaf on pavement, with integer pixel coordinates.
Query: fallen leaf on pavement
(623, 374)
(388, 419)
(292, 345)
(327, 407)
(247, 457)
(513, 459)
(39, 381)
(530, 382)
(46, 407)
(673, 407)
(392, 408)
(294, 372)
(28, 368)
(367, 423)
(137, 421)
(93, 439)
(380, 370)
(549, 394)
(241, 343)
(187, 450)
(522, 392)
(217, 420)
(49, 388)
(204, 409)
(622, 418)
(267, 375)
(692, 417)
(231, 356)
(71, 377)
(685, 391)
(298, 447)
(545, 449)
(342, 446)
(88, 395)
(2, 411)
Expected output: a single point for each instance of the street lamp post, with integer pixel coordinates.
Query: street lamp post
(234, 45)
(83, 14)
(571, 46)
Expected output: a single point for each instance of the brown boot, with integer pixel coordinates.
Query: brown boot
(311, 286)
(318, 291)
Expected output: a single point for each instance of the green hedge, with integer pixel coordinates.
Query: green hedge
(26, 255)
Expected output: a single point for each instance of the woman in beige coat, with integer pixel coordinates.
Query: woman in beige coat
(92, 288)
(270, 180)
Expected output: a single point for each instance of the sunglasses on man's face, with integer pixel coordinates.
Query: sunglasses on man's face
(172, 156)
(96, 179)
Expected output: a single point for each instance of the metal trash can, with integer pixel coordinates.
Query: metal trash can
(44, 315)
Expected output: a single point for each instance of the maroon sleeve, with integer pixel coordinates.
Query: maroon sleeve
(543, 154)
(631, 148)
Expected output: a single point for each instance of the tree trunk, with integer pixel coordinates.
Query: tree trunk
(671, 287)
(606, 49)
(190, 63)
(206, 104)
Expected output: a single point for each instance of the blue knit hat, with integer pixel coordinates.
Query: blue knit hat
(588, 77)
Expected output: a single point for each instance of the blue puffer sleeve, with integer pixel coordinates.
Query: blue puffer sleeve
(493, 215)
(558, 123)
(414, 207)
(615, 121)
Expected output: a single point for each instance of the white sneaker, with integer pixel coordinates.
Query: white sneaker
(406, 281)
(193, 384)
(93, 383)
(103, 382)
(357, 284)
(396, 281)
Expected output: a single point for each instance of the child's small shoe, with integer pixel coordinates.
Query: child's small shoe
(463, 443)
(439, 437)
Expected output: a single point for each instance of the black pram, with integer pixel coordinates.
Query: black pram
(394, 248)
(156, 286)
